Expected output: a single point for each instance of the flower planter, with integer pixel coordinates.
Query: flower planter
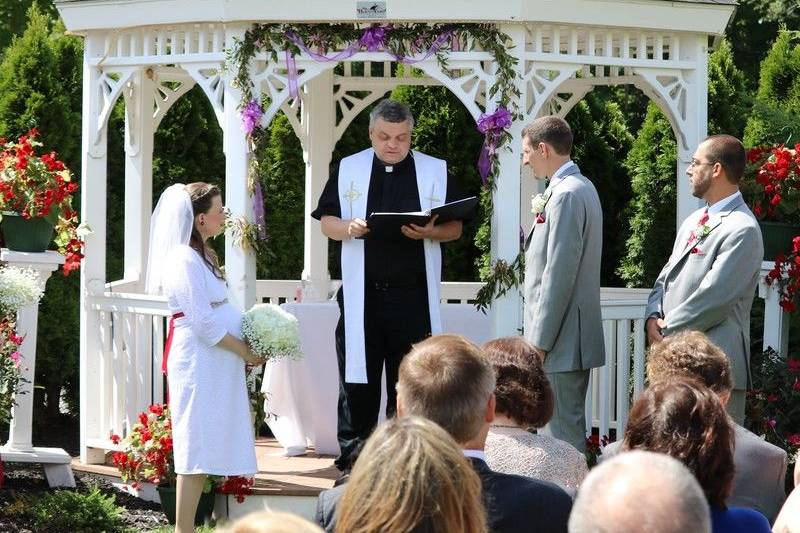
(168, 504)
(26, 235)
(777, 238)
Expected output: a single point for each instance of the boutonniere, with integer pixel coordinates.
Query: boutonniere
(538, 203)
(697, 251)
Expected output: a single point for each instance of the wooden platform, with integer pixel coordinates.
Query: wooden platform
(305, 475)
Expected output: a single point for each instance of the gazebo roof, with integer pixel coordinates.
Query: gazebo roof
(695, 16)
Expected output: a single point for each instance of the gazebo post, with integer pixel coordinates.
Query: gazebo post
(139, 130)
(318, 122)
(93, 269)
(240, 263)
(696, 124)
(506, 311)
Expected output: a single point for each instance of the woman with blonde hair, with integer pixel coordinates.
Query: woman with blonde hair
(411, 476)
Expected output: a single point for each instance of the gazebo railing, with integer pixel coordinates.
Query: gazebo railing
(133, 330)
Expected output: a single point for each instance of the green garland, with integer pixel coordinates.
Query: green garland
(405, 40)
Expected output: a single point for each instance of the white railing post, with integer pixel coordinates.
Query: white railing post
(776, 320)
(19, 448)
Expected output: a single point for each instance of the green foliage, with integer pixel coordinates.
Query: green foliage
(40, 85)
(66, 510)
(445, 129)
(602, 141)
(651, 164)
(776, 114)
(13, 17)
(728, 98)
(281, 172)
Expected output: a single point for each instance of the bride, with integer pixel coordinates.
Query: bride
(204, 357)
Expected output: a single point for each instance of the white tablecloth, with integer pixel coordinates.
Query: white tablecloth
(303, 394)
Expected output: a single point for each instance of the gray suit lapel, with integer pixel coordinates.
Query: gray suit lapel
(727, 210)
(571, 170)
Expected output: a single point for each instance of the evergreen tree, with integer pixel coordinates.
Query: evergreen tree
(40, 86)
(14, 17)
(602, 142)
(728, 98)
(651, 164)
(776, 114)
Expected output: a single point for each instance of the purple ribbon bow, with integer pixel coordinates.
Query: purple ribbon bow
(492, 126)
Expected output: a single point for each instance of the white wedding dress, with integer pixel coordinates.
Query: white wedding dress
(211, 424)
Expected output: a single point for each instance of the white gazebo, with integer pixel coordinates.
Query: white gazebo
(152, 52)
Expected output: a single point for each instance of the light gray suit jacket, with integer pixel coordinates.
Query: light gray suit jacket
(712, 291)
(562, 277)
(760, 472)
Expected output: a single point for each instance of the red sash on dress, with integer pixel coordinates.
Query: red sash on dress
(168, 344)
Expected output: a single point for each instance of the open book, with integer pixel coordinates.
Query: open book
(387, 225)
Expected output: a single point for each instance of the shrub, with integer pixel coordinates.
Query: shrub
(66, 510)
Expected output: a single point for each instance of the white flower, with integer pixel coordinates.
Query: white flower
(18, 287)
(538, 202)
(271, 332)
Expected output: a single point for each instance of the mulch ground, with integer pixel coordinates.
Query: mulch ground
(24, 483)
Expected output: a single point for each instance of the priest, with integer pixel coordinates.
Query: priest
(390, 286)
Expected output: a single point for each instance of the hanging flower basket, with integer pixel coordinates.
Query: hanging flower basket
(26, 234)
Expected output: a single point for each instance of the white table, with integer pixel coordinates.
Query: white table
(303, 394)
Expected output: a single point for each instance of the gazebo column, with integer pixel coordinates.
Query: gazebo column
(506, 311)
(319, 119)
(93, 268)
(695, 126)
(139, 130)
(240, 263)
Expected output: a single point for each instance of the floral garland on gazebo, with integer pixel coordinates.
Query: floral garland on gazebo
(407, 43)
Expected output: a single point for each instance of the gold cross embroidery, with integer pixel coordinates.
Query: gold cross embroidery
(352, 195)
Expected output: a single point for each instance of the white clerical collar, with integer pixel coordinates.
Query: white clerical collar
(556, 177)
(476, 454)
(719, 205)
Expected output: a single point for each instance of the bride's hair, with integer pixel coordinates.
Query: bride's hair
(202, 196)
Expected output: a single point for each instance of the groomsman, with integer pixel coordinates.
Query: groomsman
(562, 275)
(390, 287)
(710, 279)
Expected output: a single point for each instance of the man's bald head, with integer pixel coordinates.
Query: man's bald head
(640, 491)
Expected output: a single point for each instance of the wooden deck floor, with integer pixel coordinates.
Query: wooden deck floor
(278, 475)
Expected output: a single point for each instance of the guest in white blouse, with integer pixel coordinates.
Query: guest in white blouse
(525, 403)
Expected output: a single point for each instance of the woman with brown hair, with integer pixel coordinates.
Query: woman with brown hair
(524, 403)
(204, 355)
(411, 476)
(684, 419)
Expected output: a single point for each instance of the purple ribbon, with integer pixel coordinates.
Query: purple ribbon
(492, 126)
(251, 116)
(258, 210)
(440, 40)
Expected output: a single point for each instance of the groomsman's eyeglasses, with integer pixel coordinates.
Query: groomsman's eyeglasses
(696, 163)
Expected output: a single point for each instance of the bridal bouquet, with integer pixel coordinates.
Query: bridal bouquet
(271, 332)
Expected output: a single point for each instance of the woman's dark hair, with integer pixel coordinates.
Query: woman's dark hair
(202, 196)
(684, 419)
(523, 392)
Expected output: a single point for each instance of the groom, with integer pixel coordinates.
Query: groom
(562, 275)
(390, 287)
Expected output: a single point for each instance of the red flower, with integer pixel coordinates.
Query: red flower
(143, 418)
(794, 365)
(157, 409)
(115, 438)
(773, 398)
(793, 439)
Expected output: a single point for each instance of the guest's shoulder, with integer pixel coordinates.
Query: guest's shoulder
(746, 440)
(739, 519)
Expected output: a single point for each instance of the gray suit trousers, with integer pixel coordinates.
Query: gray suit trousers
(569, 417)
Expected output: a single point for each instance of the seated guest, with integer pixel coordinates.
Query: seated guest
(760, 466)
(788, 520)
(525, 401)
(449, 380)
(269, 522)
(640, 491)
(684, 419)
(411, 476)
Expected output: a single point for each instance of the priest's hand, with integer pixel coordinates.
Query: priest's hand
(428, 231)
(356, 228)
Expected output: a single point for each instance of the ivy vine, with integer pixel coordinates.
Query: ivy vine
(403, 41)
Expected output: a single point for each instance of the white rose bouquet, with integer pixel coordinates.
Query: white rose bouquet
(271, 332)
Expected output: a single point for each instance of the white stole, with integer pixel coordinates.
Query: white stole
(354, 177)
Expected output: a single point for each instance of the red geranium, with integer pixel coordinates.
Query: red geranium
(40, 186)
(777, 180)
